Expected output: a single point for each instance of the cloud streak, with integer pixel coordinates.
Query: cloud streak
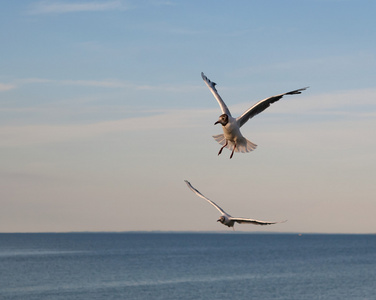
(352, 102)
(317, 107)
(105, 83)
(6, 87)
(59, 7)
(26, 135)
(346, 106)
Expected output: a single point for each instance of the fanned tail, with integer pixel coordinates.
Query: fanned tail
(244, 146)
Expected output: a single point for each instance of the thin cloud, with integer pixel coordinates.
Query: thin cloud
(340, 103)
(60, 7)
(98, 83)
(351, 102)
(25, 135)
(6, 87)
(111, 83)
(344, 62)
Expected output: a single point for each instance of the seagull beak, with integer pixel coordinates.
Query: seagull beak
(217, 122)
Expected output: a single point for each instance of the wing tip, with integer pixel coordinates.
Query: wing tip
(208, 81)
(303, 89)
(278, 222)
(298, 91)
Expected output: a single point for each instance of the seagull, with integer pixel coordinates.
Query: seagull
(232, 137)
(226, 219)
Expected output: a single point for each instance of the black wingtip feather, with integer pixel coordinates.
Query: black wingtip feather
(299, 91)
(213, 84)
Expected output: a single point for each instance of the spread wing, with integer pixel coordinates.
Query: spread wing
(203, 197)
(262, 105)
(252, 221)
(211, 85)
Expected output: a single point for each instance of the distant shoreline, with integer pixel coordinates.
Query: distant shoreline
(188, 232)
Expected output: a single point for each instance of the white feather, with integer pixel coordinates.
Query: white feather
(232, 137)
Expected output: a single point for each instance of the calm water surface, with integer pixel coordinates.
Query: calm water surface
(187, 266)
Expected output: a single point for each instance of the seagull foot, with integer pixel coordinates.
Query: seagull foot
(220, 150)
(232, 153)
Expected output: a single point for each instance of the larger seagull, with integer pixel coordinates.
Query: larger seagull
(232, 137)
(226, 219)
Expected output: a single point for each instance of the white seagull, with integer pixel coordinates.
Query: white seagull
(226, 219)
(232, 137)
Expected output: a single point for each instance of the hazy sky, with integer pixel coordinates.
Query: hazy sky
(104, 114)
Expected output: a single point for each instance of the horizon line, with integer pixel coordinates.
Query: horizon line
(188, 232)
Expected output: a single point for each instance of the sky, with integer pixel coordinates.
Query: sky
(104, 114)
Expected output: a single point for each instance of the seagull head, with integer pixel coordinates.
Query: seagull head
(223, 119)
(221, 219)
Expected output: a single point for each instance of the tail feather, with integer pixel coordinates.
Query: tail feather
(243, 147)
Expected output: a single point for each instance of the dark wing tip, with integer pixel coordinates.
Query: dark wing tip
(203, 76)
(299, 91)
(213, 84)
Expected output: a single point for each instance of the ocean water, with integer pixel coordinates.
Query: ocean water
(187, 266)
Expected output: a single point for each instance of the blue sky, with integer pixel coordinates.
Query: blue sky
(104, 114)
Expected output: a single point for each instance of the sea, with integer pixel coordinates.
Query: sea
(165, 265)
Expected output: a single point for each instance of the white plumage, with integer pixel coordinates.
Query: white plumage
(232, 137)
(226, 219)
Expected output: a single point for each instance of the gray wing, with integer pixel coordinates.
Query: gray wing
(262, 105)
(253, 221)
(203, 197)
(211, 85)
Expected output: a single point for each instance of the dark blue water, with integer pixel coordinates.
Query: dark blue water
(187, 266)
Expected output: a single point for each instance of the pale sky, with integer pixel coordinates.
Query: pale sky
(104, 115)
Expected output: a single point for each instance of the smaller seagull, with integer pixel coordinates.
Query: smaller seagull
(232, 137)
(226, 219)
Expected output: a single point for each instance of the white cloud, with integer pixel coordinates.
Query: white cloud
(346, 103)
(15, 136)
(111, 83)
(354, 102)
(337, 65)
(6, 87)
(98, 83)
(347, 106)
(59, 7)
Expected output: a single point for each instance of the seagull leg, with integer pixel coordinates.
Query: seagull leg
(232, 153)
(220, 151)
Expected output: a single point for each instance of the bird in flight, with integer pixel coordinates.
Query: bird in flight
(232, 137)
(225, 218)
